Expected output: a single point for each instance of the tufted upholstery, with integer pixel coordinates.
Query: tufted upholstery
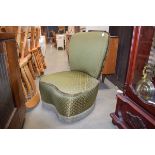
(71, 92)
(87, 51)
(74, 92)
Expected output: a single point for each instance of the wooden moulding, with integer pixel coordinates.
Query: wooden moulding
(33, 101)
(7, 35)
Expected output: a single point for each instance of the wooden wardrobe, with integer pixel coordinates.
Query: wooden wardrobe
(12, 100)
(125, 37)
(135, 108)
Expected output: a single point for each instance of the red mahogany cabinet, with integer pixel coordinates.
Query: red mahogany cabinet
(135, 107)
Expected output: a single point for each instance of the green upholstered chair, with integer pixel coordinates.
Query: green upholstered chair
(73, 93)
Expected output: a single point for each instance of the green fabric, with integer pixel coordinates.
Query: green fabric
(71, 92)
(87, 51)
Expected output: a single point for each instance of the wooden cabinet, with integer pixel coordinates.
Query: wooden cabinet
(125, 37)
(12, 107)
(110, 62)
(135, 107)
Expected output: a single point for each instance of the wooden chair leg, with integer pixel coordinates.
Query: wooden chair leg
(103, 77)
(36, 67)
(42, 57)
(25, 91)
(30, 78)
(38, 61)
(27, 84)
(31, 69)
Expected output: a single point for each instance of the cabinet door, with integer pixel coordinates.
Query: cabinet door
(140, 83)
(6, 100)
(12, 101)
(125, 36)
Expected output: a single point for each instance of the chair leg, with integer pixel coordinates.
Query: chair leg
(103, 77)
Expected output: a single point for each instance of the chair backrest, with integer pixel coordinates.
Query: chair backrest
(87, 51)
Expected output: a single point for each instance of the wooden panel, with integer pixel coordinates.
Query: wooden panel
(7, 35)
(12, 96)
(130, 115)
(125, 37)
(6, 100)
(18, 119)
(10, 28)
(14, 73)
(110, 62)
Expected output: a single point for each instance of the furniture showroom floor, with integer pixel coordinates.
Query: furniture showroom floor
(43, 117)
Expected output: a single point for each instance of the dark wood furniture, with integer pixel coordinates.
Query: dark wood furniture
(132, 110)
(110, 62)
(12, 101)
(125, 36)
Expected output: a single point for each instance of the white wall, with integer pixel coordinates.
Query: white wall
(102, 28)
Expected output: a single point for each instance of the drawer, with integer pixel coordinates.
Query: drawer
(133, 115)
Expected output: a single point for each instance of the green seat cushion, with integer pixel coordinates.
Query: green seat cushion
(71, 92)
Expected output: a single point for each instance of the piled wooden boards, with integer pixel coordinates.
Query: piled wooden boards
(31, 61)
